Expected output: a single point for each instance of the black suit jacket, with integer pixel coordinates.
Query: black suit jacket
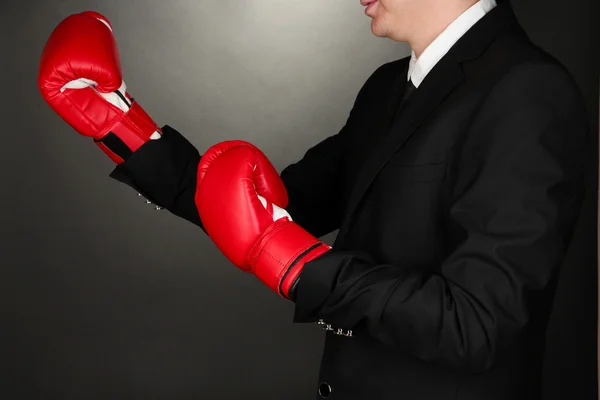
(454, 211)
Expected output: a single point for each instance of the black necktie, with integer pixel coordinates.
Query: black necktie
(408, 90)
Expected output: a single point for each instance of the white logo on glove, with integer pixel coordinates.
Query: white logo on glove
(278, 212)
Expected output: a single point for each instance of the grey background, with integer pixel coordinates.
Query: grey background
(101, 297)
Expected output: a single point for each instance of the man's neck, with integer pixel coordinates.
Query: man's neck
(433, 24)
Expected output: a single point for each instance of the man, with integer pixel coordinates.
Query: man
(455, 185)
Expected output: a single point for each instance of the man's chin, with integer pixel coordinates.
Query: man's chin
(380, 31)
(377, 30)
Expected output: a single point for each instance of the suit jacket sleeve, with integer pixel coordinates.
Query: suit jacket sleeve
(164, 171)
(515, 198)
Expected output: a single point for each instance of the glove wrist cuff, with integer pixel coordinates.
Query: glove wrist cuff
(281, 253)
(128, 133)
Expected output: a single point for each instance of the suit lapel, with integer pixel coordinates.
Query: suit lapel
(439, 84)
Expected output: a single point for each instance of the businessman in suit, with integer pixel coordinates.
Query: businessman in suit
(455, 184)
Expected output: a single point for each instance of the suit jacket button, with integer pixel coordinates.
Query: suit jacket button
(324, 390)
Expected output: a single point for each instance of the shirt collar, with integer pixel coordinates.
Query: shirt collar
(418, 68)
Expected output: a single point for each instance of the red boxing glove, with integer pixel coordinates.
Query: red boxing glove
(241, 200)
(80, 78)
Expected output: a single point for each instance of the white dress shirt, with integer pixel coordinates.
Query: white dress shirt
(420, 67)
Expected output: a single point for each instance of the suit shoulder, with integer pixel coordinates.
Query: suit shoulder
(380, 79)
(521, 54)
(391, 68)
(537, 90)
(388, 70)
(514, 61)
(384, 74)
(395, 65)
